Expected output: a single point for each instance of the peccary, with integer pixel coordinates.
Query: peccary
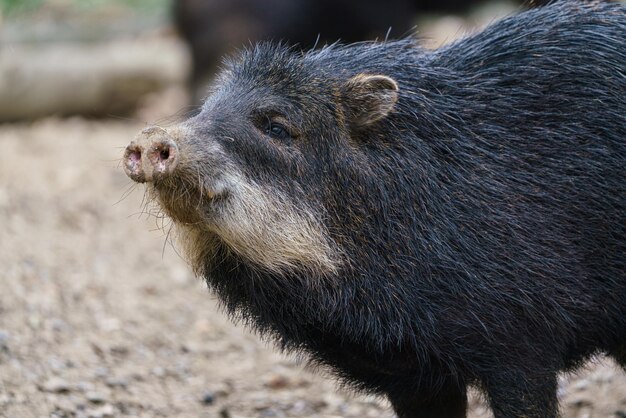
(417, 221)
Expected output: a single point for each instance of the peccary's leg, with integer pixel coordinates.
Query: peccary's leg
(518, 395)
(450, 403)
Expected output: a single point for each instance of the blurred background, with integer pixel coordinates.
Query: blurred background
(99, 316)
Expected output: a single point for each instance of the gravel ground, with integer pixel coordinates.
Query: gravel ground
(99, 317)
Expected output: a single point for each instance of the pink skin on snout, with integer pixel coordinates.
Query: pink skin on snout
(152, 154)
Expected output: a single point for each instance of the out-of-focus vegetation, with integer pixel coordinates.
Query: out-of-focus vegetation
(37, 21)
(9, 7)
(19, 8)
(87, 57)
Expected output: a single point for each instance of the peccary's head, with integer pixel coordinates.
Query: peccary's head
(272, 166)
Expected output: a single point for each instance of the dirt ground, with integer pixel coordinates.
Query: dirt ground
(99, 317)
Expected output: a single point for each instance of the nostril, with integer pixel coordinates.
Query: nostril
(163, 156)
(132, 162)
(134, 156)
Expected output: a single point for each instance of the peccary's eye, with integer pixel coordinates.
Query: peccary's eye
(277, 131)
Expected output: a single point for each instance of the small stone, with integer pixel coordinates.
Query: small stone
(137, 377)
(208, 398)
(224, 413)
(4, 340)
(221, 389)
(158, 371)
(101, 372)
(63, 404)
(319, 405)
(299, 408)
(105, 411)
(269, 413)
(119, 350)
(110, 324)
(56, 385)
(620, 414)
(19, 398)
(78, 401)
(95, 397)
(57, 364)
(277, 381)
(59, 325)
(34, 321)
(203, 326)
(85, 386)
(116, 382)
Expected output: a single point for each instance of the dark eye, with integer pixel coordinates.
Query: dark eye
(276, 130)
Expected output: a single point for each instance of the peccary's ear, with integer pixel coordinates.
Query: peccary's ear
(369, 98)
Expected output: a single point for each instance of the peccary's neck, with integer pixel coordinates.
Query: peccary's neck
(311, 313)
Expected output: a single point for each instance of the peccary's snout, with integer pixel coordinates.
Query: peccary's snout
(152, 154)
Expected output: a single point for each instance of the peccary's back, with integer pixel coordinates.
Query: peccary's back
(545, 115)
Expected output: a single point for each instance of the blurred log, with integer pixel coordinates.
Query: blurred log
(89, 79)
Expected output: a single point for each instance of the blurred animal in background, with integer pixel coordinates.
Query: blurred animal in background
(214, 28)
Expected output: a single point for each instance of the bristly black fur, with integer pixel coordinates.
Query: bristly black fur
(483, 221)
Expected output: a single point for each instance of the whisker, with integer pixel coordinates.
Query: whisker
(124, 118)
(182, 114)
(131, 188)
(200, 188)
